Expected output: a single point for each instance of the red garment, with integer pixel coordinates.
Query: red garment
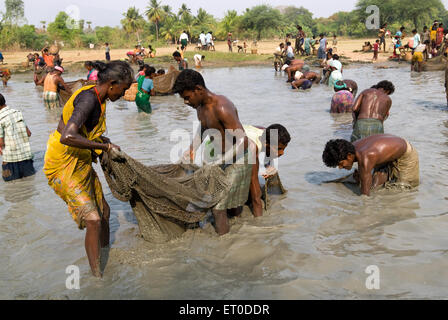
(439, 36)
(375, 46)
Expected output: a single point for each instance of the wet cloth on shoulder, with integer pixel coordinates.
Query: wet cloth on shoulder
(364, 128)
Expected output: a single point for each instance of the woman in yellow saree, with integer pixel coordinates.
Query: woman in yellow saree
(76, 143)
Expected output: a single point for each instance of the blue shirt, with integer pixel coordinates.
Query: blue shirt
(322, 43)
(148, 85)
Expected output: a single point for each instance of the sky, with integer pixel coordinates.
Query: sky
(109, 12)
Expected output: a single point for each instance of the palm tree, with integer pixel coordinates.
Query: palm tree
(229, 20)
(171, 28)
(187, 22)
(88, 24)
(133, 21)
(203, 18)
(183, 10)
(168, 11)
(43, 24)
(155, 14)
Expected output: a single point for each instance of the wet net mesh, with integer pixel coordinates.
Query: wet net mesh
(169, 199)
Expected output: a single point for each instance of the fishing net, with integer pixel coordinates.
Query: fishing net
(169, 199)
(74, 86)
(165, 83)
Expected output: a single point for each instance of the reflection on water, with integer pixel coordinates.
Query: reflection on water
(315, 242)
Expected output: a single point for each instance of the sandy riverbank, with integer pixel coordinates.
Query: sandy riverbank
(348, 48)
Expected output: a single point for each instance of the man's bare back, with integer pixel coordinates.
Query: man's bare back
(372, 104)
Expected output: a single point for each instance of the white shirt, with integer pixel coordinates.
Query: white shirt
(336, 64)
(420, 48)
(208, 38)
(183, 36)
(202, 38)
(298, 75)
(197, 59)
(290, 52)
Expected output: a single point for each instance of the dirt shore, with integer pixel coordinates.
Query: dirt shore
(349, 48)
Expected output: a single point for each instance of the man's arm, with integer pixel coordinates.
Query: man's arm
(194, 146)
(357, 107)
(61, 82)
(2, 145)
(388, 109)
(39, 82)
(365, 175)
(255, 190)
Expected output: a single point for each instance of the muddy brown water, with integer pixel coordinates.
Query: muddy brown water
(314, 243)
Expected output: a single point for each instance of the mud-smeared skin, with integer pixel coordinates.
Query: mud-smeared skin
(316, 242)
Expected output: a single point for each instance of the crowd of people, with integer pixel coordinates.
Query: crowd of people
(79, 140)
(429, 43)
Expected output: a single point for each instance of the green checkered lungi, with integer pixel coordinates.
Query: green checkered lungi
(365, 128)
(239, 175)
(51, 100)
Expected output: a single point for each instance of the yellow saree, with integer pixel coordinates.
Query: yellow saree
(69, 170)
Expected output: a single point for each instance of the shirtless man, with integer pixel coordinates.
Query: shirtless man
(53, 82)
(393, 159)
(218, 113)
(370, 110)
(312, 76)
(182, 63)
(293, 66)
(260, 141)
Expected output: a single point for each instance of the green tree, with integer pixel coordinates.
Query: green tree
(261, 18)
(168, 11)
(415, 13)
(204, 20)
(298, 16)
(187, 22)
(30, 39)
(183, 10)
(155, 14)
(133, 22)
(15, 11)
(59, 30)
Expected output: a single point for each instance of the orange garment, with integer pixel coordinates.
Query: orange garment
(49, 60)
